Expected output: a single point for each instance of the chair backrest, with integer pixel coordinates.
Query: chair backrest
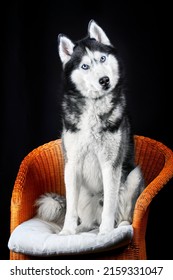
(151, 156)
(49, 163)
(48, 167)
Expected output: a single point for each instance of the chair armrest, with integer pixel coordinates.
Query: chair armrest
(42, 170)
(153, 187)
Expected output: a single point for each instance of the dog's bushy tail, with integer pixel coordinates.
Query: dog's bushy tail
(51, 207)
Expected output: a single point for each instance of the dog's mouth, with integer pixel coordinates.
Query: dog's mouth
(106, 87)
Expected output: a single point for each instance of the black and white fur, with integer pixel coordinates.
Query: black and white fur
(101, 179)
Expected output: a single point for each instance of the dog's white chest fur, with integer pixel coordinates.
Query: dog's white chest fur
(90, 124)
(87, 148)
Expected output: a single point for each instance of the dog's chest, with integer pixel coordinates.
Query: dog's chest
(91, 123)
(91, 136)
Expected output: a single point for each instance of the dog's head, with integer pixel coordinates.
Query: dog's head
(90, 63)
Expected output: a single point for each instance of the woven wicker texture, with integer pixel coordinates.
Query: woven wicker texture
(42, 171)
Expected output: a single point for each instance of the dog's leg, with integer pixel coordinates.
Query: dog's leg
(128, 195)
(72, 183)
(111, 184)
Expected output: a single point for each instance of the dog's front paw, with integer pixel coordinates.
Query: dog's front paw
(106, 227)
(103, 231)
(67, 232)
(70, 226)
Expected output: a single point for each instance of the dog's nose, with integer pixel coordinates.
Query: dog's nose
(104, 81)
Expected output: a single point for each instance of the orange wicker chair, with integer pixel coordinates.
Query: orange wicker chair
(42, 171)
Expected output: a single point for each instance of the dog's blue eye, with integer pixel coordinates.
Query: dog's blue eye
(85, 66)
(103, 58)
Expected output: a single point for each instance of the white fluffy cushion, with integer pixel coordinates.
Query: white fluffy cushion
(40, 238)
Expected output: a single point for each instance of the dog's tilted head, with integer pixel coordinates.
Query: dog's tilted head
(90, 64)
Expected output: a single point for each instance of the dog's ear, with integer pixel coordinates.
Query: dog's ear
(65, 48)
(97, 33)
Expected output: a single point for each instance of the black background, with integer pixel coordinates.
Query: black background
(30, 95)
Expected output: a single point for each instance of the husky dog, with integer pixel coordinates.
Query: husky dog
(101, 178)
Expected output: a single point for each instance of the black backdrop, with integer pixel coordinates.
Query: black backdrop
(30, 96)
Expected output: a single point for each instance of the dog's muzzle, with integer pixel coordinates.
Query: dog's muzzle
(104, 82)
